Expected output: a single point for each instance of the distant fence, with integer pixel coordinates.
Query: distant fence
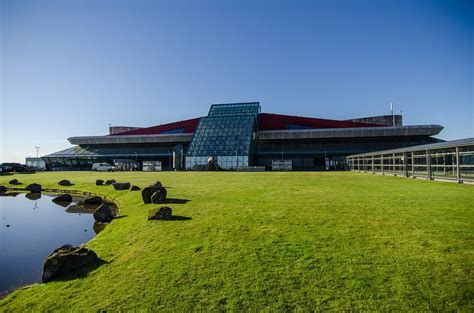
(451, 160)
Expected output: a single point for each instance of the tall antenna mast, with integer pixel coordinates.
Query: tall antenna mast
(391, 111)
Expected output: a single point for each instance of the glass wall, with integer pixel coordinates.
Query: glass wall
(227, 133)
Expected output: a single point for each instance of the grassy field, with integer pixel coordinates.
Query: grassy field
(272, 241)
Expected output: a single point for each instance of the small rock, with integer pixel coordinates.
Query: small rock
(134, 188)
(159, 196)
(164, 213)
(103, 214)
(99, 182)
(63, 198)
(121, 186)
(94, 200)
(65, 259)
(3, 188)
(110, 182)
(64, 182)
(35, 188)
(14, 182)
(8, 225)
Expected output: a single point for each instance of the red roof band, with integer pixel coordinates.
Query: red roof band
(267, 122)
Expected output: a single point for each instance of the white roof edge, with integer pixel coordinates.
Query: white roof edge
(430, 146)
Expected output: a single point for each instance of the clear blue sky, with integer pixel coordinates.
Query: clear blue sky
(70, 68)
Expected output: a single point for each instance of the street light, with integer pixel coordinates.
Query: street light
(37, 149)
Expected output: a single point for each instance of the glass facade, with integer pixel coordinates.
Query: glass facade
(124, 158)
(227, 132)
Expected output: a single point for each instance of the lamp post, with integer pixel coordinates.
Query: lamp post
(37, 150)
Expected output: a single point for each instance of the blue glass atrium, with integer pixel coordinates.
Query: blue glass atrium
(226, 133)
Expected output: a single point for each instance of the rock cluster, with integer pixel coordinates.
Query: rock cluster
(154, 193)
(66, 259)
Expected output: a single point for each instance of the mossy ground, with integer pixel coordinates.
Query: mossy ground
(272, 242)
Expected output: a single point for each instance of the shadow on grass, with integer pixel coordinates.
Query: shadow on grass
(175, 201)
(81, 272)
(121, 216)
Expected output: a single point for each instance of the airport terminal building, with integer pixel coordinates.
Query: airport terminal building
(241, 137)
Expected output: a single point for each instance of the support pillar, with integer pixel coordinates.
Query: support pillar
(405, 163)
(382, 164)
(412, 165)
(393, 163)
(458, 166)
(428, 165)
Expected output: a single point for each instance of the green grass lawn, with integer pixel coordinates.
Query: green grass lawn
(272, 241)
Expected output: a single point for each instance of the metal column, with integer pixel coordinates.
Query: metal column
(458, 169)
(382, 163)
(405, 163)
(428, 165)
(412, 165)
(393, 163)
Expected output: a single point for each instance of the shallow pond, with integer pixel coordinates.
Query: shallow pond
(31, 228)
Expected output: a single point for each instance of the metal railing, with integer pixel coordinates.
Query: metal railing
(452, 161)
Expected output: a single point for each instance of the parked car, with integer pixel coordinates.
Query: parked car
(103, 167)
(17, 167)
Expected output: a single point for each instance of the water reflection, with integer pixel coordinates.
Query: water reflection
(33, 195)
(34, 230)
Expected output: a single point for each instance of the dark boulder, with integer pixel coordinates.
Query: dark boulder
(66, 259)
(147, 192)
(121, 186)
(159, 196)
(64, 182)
(103, 214)
(33, 195)
(98, 227)
(14, 182)
(35, 188)
(164, 213)
(158, 184)
(110, 182)
(63, 198)
(134, 188)
(99, 182)
(3, 189)
(93, 200)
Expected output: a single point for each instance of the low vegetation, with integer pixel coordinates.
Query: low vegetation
(271, 241)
